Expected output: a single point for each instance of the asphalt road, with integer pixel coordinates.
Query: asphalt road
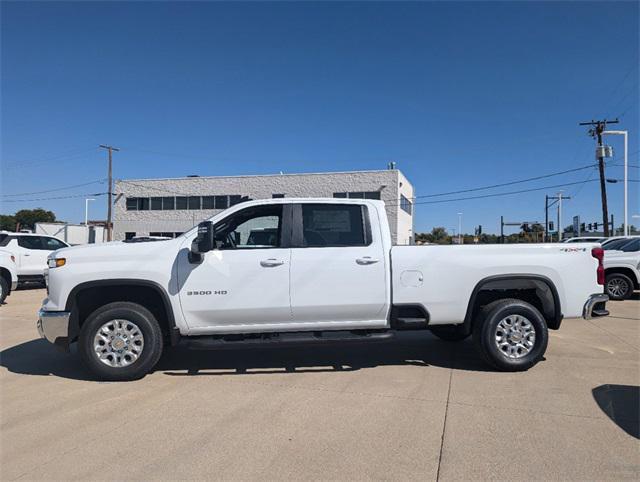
(417, 408)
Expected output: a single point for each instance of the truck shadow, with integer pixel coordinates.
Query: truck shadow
(38, 357)
(621, 403)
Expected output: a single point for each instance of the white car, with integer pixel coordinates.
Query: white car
(622, 268)
(585, 239)
(31, 252)
(328, 274)
(8, 274)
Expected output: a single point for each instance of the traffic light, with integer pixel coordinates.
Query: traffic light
(590, 227)
(550, 225)
(479, 229)
(595, 226)
(582, 226)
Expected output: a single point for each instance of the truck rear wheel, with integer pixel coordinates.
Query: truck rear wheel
(120, 341)
(450, 332)
(511, 335)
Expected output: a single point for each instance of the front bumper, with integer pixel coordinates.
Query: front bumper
(595, 306)
(54, 327)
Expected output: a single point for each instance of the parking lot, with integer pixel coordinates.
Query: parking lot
(417, 408)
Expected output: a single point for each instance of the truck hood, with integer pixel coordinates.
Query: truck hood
(117, 250)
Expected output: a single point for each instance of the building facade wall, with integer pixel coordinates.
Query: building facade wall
(144, 222)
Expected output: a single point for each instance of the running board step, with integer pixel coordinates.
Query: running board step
(279, 339)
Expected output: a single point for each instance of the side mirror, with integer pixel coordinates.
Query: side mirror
(203, 243)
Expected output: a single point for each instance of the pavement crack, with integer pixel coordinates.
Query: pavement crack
(444, 423)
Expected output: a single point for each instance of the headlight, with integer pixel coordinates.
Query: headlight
(56, 262)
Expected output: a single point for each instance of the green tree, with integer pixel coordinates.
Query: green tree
(27, 218)
(7, 222)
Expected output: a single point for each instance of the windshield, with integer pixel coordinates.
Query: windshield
(615, 244)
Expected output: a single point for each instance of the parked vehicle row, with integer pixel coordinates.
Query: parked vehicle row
(622, 267)
(30, 252)
(283, 271)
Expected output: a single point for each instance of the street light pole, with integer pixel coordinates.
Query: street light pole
(86, 211)
(459, 228)
(626, 178)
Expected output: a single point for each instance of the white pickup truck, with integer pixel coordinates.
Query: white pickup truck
(326, 273)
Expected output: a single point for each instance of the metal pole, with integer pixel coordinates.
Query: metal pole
(546, 219)
(459, 228)
(502, 229)
(559, 219)
(625, 232)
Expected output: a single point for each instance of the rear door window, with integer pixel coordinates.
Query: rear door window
(327, 225)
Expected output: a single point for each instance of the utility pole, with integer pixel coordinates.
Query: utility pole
(502, 229)
(110, 191)
(597, 128)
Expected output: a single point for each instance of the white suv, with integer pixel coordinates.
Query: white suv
(622, 267)
(30, 251)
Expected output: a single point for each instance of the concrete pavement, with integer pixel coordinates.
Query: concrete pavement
(418, 408)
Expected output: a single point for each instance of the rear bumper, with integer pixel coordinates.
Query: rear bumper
(595, 306)
(53, 326)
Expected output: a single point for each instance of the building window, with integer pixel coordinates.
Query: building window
(132, 204)
(358, 195)
(156, 204)
(405, 204)
(168, 203)
(221, 202)
(235, 199)
(143, 204)
(129, 235)
(181, 202)
(208, 202)
(277, 196)
(194, 202)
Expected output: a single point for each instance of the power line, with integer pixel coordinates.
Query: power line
(51, 198)
(510, 183)
(56, 189)
(483, 196)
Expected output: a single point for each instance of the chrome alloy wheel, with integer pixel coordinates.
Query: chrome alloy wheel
(617, 287)
(515, 336)
(118, 343)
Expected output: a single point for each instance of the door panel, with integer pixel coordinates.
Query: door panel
(244, 284)
(339, 276)
(235, 287)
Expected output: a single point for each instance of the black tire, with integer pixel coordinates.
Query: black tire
(137, 316)
(486, 328)
(450, 332)
(618, 286)
(4, 289)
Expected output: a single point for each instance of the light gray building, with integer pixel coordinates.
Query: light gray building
(168, 207)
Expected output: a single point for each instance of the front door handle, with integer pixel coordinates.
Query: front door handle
(366, 260)
(271, 263)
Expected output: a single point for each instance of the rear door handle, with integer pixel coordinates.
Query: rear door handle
(271, 263)
(366, 260)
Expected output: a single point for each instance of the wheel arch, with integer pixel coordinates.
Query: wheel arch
(99, 292)
(6, 274)
(536, 289)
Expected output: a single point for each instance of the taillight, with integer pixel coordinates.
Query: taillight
(598, 253)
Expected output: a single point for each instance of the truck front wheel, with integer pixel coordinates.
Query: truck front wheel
(511, 335)
(120, 341)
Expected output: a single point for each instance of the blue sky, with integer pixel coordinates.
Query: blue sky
(460, 95)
